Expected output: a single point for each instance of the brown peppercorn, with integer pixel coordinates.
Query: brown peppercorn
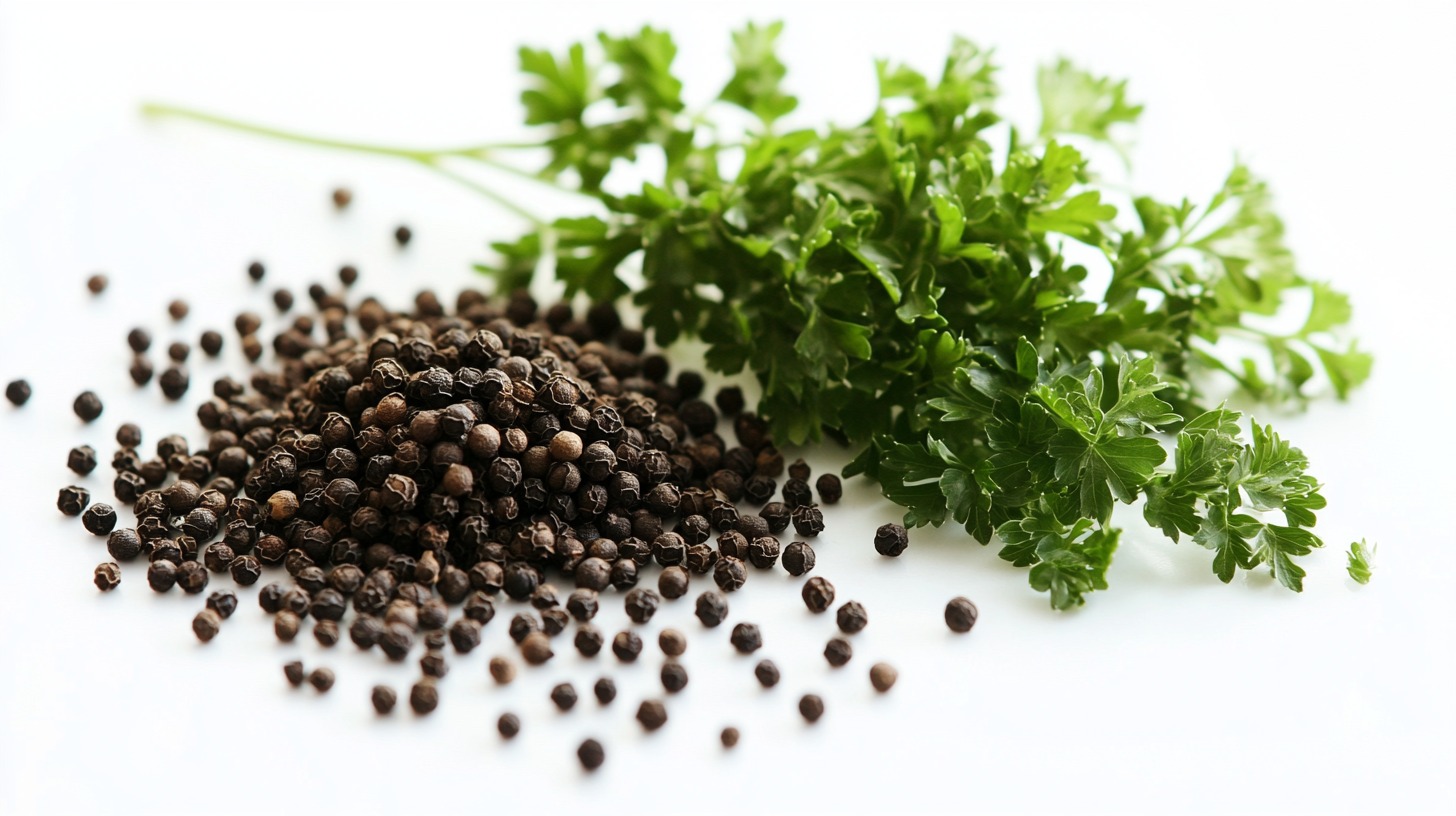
(566, 447)
(674, 677)
(746, 638)
(883, 676)
(798, 558)
(161, 575)
(433, 665)
(588, 640)
(424, 697)
(626, 646)
(108, 576)
(402, 235)
(178, 309)
(729, 737)
(960, 614)
(811, 707)
(141, 370)
(342, 196)
(223, 602)
(767, 673)
(605, 690)
(641, 604)
(256, 271)
(72, 500)
(818, 594)
(652, 714)
(591, 754)
(383, 698)
(563, 695)
(729, 573)
(285, 625)
(191, 577)
(502, 670)
(174, 382)
(509, 725)
(293, 671)
(81, 460)
(711, 608)
(536, 648)
(852, 617)
(139, 339)
(891, 540)
(829, 487)
(211, 343)
(673, 583)
(87, 406)
(206, 625)
(672, 642)
(348, 274)
(321, 679)
(838, 652)
(96, 284)
(326, 632)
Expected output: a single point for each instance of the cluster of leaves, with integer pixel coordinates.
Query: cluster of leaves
(896, 286)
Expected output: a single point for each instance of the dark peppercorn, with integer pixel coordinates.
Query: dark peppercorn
(283, 300)
(433, 665)
(777, 515)
(87, 406)
(606, 690)
(730, 574)
(797, 494)
(830, 488)
(424, 697)
(96, 284)
(402, 235)
(712, 608)
(206, 625)
(763, 552)
(178, 309)
(502, 670)
(81, 460)
(564, 696)
(141, 370)
(523, 624)
(729, 400)
(285, 626)
(293, 670)
(746, 638)
(808, 520)
(582, 604)
(161, 575)
(891, 539)
(326, 632)
(366, 631)
(139, 339)
(128, 435)
(811, 707)
(509, 725)
(554, 621)
(223, 602)
(536, 648)
(588, 640)
(342, 197)
(641, 604)
(672, 642)
(210, 343)
(464, 635)
(348, 275)
(767, 673)
(673, 583)
(883, 676)
(674, 677)
(124, 544)
(960, 614)
(256, 271)
(798, 558)
(591, 754)
(852, 617)
(174, 382)
(838, 652)
(626, 646)
(652, 714)
(108, 576)
(18, 392)
(383, 698)
(245, 570)
(729, 737)
(321, 679)
(270, 597)
(818, 594)
(72, 500)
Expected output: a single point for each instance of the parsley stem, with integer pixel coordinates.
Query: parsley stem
(500, 200)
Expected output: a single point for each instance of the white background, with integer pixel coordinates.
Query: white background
(1168, 693)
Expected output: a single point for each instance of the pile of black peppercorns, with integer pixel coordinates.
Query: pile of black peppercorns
(408, 469)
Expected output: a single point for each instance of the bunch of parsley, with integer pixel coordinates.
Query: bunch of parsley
(900, 286)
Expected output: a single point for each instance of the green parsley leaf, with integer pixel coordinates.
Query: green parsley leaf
(1362, 558)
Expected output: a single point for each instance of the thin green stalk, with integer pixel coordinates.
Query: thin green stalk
(499, 199)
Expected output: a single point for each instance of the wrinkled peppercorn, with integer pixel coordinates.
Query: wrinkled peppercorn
(652, 714)
(509, 725)
(852, 617)
(626, 646)
(536, 648)
(818, 594)
(87, 406)
(960, 614)
(99, 519)
(424, 697)
(798, 558)
(107, 576)
(383, 698)
(767, 673)
(838, 652)
(293, 671)
(746, 638)
(641, 604)
(811, 707)
(711, 608)
(81, 460)
(605, 690)
(891, 540)
(674, 677)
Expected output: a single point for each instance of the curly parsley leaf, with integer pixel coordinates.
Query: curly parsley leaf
(1361, 561)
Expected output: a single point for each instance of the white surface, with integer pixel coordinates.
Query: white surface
(1169, 693)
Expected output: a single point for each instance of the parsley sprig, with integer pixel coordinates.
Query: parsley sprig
(905, 284)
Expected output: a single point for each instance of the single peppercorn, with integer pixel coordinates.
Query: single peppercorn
(282, 300)
(72, 500)
(626, 646)
(293, 671)
(591, 754)
(161, 575)
(206, 625)
(223, 602)
(798, 558)
(81, 460)
(672, 642)
(536, 648)
(348, 274)
(852, 617)
(891, 540)
(711, 608)
(191, 577)
(729, 400)
(108, 576)
(960, 614)
(321, 679)
(424, 697)
(818, 594)
(729, 574)
(139, 340)
(674, 677)
(729, 737)
(673, 583)
(383, 698)
(641, 604)
(563, 695)
(767, 673)
(179, 351)
(342, 196)
(433, 664)
(502, 670)
(210, 343)
(124, 544)
(402, 235)
(174, 382)
(18, 392)
(256, 271)
(285, 626)
(96, 284)
(746, 638)
(326, 632)
(883, 676)
(87, 406)
(509, 725)
(588, 640)
(141, 370)
(838, 652)
(178, 309)
(652, 714)
(811, 707)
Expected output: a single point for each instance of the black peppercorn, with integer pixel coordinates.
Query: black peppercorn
(763, 552)
(383, 698)
(588, 640)
(293, 671)
(245, 570)
(673, 583)
(424, 697)
(285, 626)
(798, 558)
(767, 673)
(777, 515)
(674, 677)
(433, 665)
(18, 392)
(626, 646)
(729, 574)
(746, 638)
(161, 575)
(206, 625)
(223, 602)
(641, 604)
(652, 714)
(139, 339)
(829, 487)
(729, 737)
(107, 576)
(712, 608)
(402, 235)
(87, 406)
(564, 696)
(321, 679)
(729, 400)
(174, 382)
(852, 617)
(502, 670)
(591, 754)
(891, 539)
(883, 676)
(838, 652)
(509, 725)
(811, 707)
(82, 460)
(960, 614)
(72, 500)
(326, 632)
(818, 594)
(211, 343)
(605, 690)
(96, 284)
(554, 621)
(141, 370)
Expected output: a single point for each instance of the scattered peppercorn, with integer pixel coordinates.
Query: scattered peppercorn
(674, 677)
(811, 707)
(746, 638)
(838, 652)
(139, 340)
(72, 500)
(729, 737)
(672, 642)
(383, 698)
(81, 460)
(891, 539)
(223, 602)
(641, 604)
(536, 648)
(174, 382)
(591, 754)
(285, 626)
(108, 576)
(652, 714)
(210, 343)
(18, 392)
(502, 670)
(605, 690)
(798, 558)
(883, 676)
(818, 594)
(321, 679)
(588, 640)
(206, 625)
(852, 617)
(673, 583)
(178, 309)
(96, 284)
(767, 673)
(256, 271)
(293, 670)
(141, 370)
(509, 725)
(326, 632)
(342, 196)
(960, 614)
(829, 487)
(402, 235)
(563, 695)
(87, 406)
(179, 351)
(626, 646)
